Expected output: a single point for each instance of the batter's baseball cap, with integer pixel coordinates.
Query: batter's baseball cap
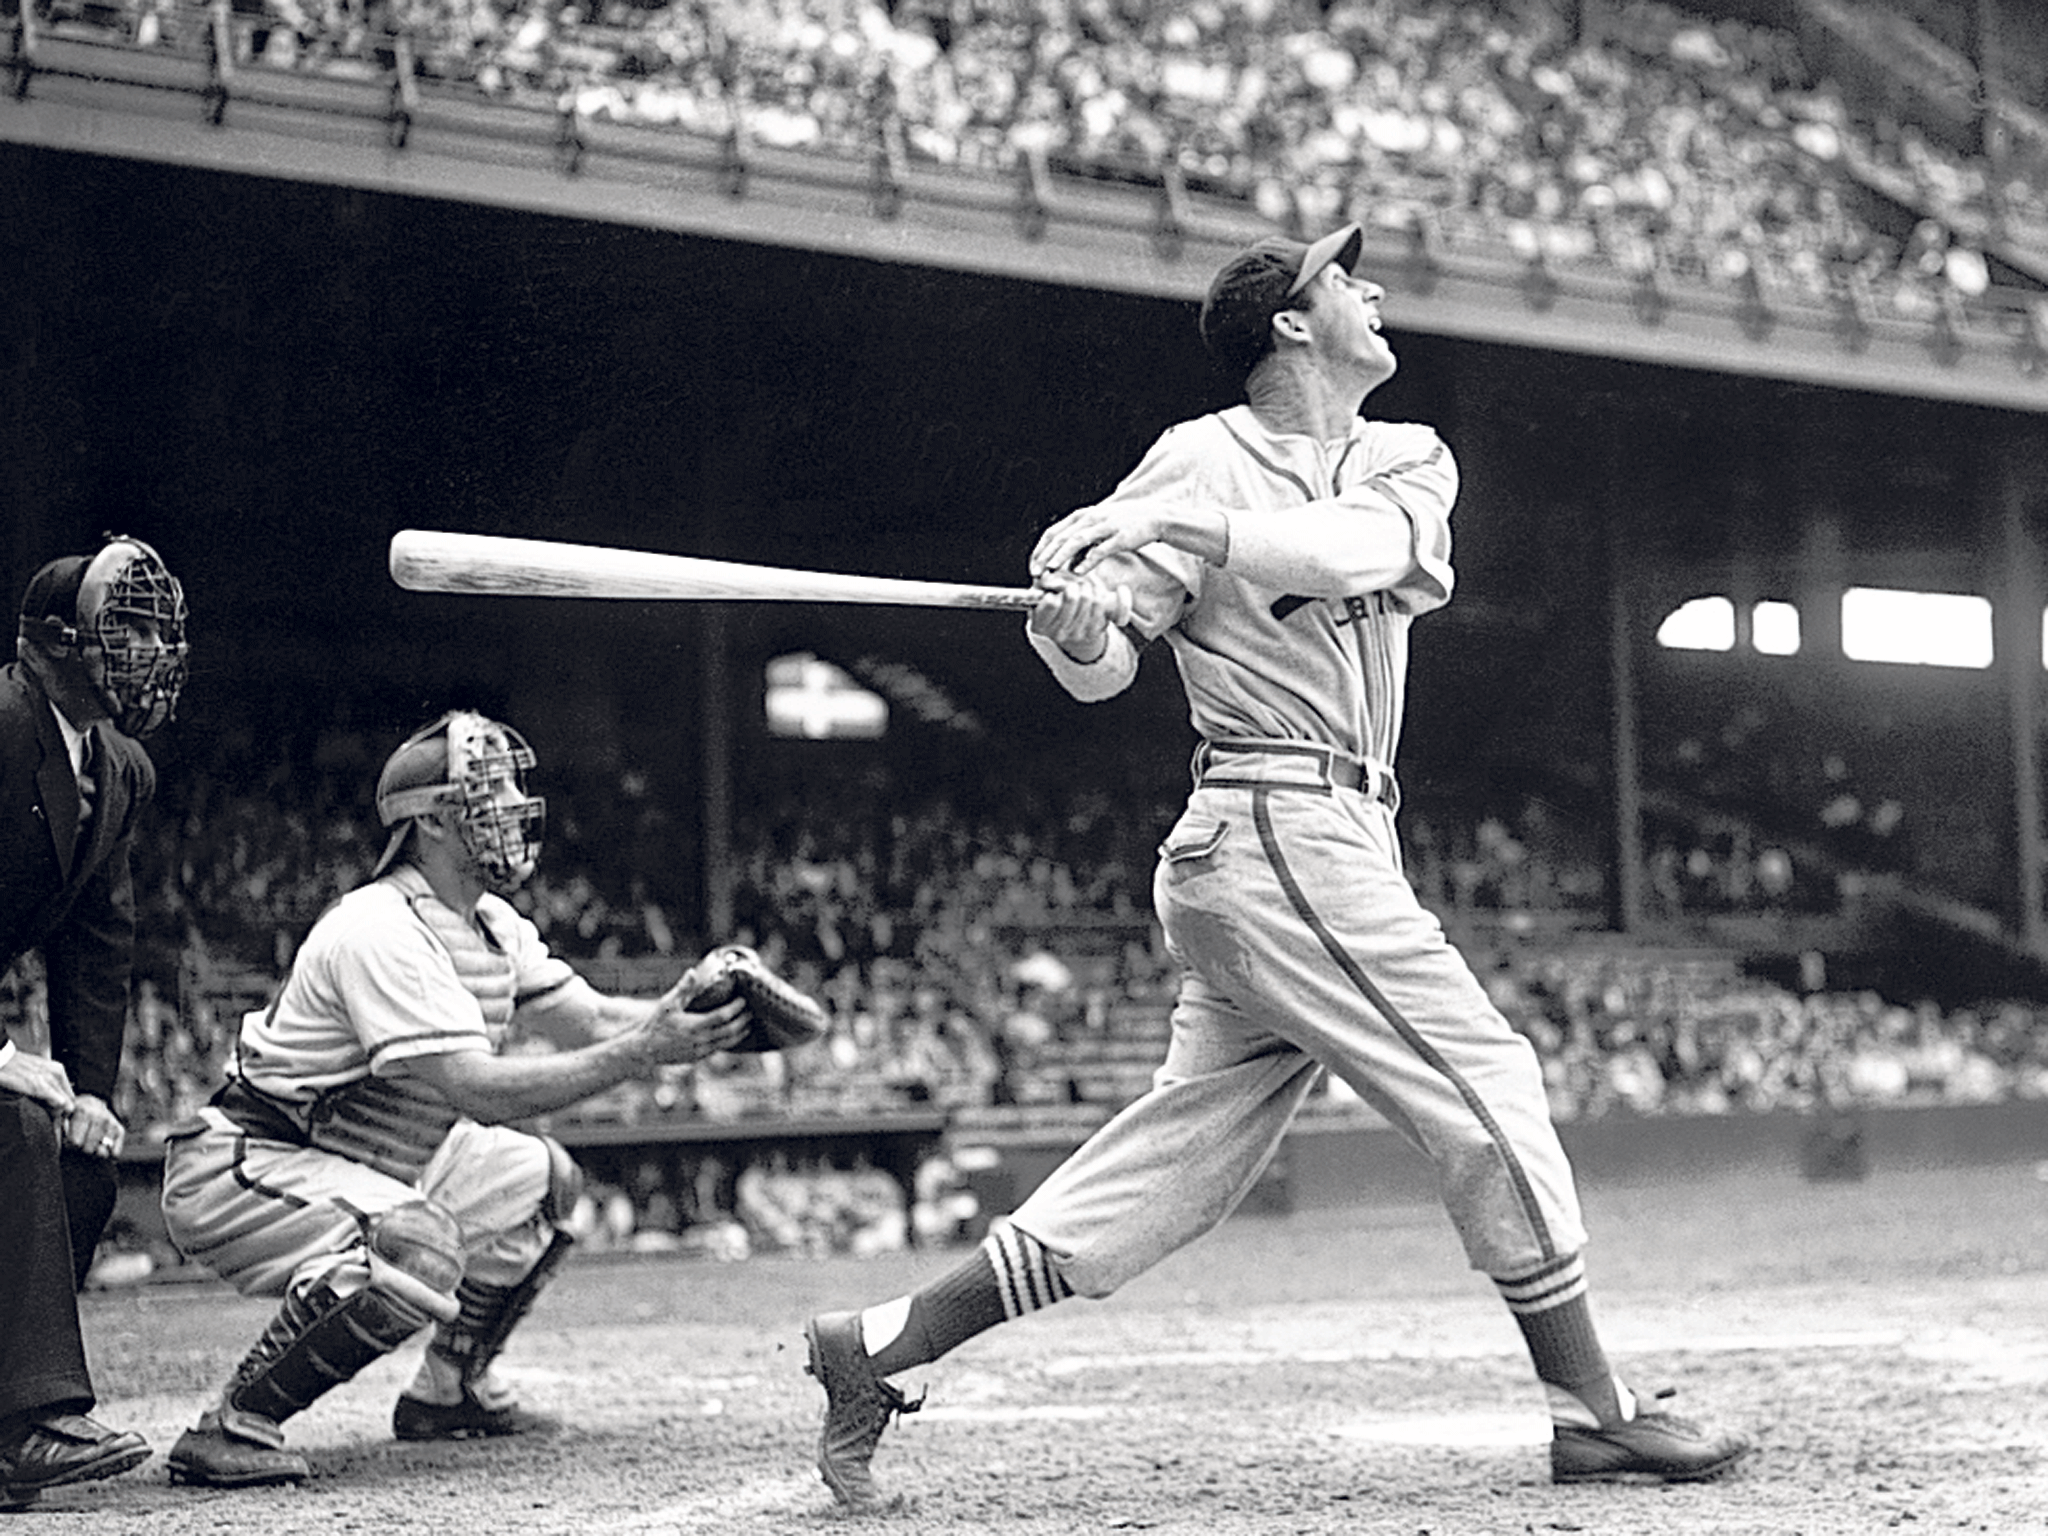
(1261, 281)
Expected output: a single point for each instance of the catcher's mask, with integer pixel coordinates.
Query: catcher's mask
(113, 623)
(477, 766)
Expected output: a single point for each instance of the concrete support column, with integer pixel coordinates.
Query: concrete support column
(2018, 601)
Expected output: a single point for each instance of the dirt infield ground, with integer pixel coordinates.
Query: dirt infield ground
(1886, 1342)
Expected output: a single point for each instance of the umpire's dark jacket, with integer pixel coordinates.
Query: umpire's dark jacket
(71, 896)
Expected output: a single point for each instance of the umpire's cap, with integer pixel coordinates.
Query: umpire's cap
(1258, 283)
(52, 593)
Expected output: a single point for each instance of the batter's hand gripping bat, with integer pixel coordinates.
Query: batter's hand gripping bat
(426, 561)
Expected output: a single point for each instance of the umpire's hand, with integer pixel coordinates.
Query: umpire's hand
(40, 1078)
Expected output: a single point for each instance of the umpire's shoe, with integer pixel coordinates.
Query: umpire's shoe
(858, 1404)
(1649, 1448)
(46, 1450)
(235, 1450)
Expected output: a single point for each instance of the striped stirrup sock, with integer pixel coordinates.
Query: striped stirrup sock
(1007, 1275)
(1552, 1308)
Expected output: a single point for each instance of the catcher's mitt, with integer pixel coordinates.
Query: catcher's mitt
(782, 1017)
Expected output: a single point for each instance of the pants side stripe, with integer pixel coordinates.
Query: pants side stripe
(1262, 818)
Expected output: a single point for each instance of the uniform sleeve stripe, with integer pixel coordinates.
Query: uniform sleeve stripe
(520, 1000)
(411, 1042)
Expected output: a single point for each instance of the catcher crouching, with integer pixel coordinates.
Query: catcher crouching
(359, 1162)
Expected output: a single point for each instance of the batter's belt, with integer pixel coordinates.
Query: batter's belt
(1293, 765)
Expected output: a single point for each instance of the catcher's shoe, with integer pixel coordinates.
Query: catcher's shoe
(858, 1404)
(1649, 1448)
(414, 1418)
(211, 1455)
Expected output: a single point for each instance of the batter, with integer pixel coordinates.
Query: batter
(1282, 548)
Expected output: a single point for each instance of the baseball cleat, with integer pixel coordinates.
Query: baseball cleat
(414, 1418)
(60, 1448)
(1649, 1448)
(208, 1456)
(858, 1405)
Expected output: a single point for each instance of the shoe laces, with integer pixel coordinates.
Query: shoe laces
(864, 1411)
(1663, 1415)
(888, 1401)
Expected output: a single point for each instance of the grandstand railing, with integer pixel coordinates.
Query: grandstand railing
(375, 114)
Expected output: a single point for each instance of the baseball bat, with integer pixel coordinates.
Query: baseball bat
(423, 560)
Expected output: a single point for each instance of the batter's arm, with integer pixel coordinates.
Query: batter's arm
(1389, 530)
(1079, 543)
(1073, 631)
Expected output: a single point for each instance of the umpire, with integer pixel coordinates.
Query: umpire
(101, 662)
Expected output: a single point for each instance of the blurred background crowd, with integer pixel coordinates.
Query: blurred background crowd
(1003, 973)
(996, 952)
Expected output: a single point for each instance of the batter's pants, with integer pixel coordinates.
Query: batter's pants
(1303, 947)
(267, 1215)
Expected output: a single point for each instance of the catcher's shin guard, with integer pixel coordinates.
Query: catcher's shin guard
(487, 1314)
(324, 1334)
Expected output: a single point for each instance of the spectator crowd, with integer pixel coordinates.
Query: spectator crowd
(1659, 143)
(998, 955)
(990, 960)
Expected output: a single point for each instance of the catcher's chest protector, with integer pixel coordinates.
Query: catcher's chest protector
(396, 1124)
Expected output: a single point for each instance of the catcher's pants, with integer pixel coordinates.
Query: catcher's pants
(267, 1215)
(1303, 947)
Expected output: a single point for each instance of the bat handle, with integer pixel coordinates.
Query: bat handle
(1120, 615)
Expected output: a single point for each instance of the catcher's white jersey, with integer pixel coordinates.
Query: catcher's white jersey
(390, 973)
(319, 1127)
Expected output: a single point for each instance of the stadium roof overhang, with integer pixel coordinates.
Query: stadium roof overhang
(108, 100)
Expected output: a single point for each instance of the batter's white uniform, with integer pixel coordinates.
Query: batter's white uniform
(319, 1129)
(1280, 888)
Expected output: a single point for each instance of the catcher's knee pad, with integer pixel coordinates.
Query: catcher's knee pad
(415, 1254)
(325, 1333)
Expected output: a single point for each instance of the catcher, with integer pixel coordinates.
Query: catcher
(359, 1162)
